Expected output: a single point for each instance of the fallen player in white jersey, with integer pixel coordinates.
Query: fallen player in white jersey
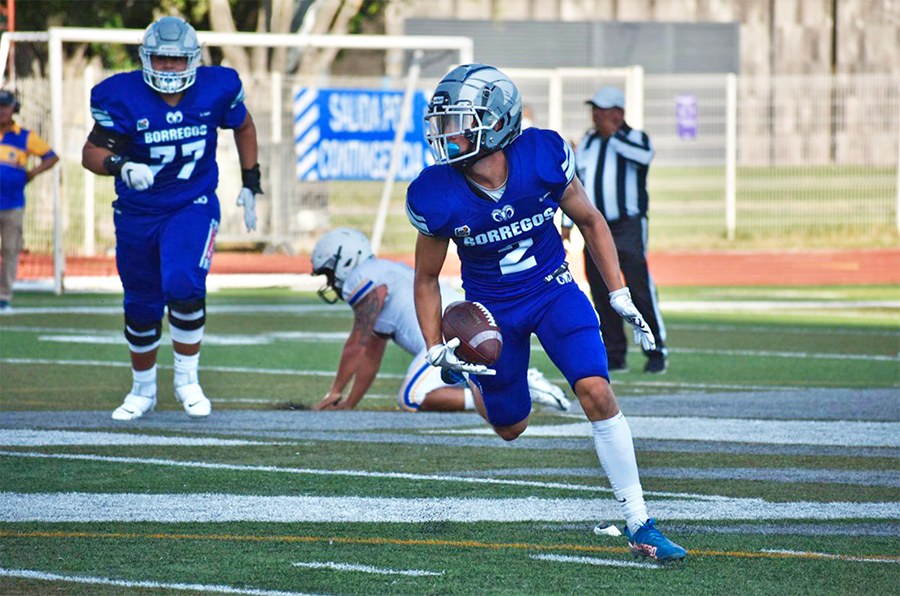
(381, 295)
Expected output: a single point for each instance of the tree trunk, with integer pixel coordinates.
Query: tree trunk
(221, 20)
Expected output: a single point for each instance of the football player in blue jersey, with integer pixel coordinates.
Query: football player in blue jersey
(494, 191)
(156, 132)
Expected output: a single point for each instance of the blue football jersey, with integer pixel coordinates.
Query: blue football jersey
(178, 143)
(506, 248)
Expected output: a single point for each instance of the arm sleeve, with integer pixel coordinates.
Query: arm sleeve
(235, 110)
(35, 145)
(640, 153)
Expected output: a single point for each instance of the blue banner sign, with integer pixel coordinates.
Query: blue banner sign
(348, 134)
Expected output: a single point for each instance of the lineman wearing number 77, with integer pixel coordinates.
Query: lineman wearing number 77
(155, 132)
(494, 191)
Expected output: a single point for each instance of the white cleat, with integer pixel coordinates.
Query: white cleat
(134, 407)
(544, 392)
(195, 403)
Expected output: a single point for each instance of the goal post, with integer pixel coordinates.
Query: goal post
(57, 36)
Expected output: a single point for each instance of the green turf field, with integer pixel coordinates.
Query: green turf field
(769, 450)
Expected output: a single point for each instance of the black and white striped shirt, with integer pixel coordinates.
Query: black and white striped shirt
(614, 172)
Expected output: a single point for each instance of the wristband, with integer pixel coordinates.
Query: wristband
(114, 163)
(250, 179)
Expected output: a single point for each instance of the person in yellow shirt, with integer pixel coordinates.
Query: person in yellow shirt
(16, 144)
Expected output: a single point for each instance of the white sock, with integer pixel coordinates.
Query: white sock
(144, 382)
(186, 369)
(615, 449)
(469, 403)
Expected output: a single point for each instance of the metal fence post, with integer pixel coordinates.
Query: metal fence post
(89, 248)
(56, 107)
(730, 155)
(277, 229)
(400, 132)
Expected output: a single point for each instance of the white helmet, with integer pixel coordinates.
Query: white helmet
(335, 255)
(478, 102)
(170, 36)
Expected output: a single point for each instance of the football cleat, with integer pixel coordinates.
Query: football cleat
(544, 392)
(649, 542)
(195, 403)
(656, 365)
(135, 405)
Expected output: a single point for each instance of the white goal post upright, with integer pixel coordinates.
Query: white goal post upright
(59, 35)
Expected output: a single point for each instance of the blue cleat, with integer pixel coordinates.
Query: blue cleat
(649, 542)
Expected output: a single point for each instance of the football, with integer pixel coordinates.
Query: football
(479, 336)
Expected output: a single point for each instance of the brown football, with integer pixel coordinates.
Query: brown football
(479, 336)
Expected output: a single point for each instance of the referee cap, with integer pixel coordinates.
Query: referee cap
(608, 97)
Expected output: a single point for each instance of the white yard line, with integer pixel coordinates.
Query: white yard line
(780, 330)
(594, 561)
(826, 556)
(345, 473)
(105, 337)
(104, 581)
(771, 305)
(234, 369)
(44, 438)
(75, 507)
(366, 569)
(845, 433)
(245, 309)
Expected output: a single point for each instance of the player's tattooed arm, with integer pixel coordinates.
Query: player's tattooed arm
(578, 207)
(362, 354)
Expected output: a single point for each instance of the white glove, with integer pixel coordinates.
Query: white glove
(444, 355)
(247, 200)
(621, 301)
(137, 176)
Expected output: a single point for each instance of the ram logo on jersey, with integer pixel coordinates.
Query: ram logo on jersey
(503, 214)
(174, 117)
(174, 134)
(512, 230)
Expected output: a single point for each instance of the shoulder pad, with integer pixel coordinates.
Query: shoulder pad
(553, 157)
(426, 200)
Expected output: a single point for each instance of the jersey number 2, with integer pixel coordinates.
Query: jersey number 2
(167, 153)
(513, 263)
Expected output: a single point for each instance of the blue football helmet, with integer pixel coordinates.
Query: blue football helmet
(170, 36)
(481, 104)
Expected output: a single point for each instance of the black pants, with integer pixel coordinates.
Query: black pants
(628, 235)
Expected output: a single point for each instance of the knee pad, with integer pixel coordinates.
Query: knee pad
(142, 337)
(186, 320)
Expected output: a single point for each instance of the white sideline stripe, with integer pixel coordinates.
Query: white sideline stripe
(72, 507)
(594, 561)
(844, 433)
(825, 555)
(348, 473)
(45, 438)
(82, 579)
(366, 569)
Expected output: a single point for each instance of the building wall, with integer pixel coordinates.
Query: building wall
(777, 36)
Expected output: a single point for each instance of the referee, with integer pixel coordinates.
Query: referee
(612, 162)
